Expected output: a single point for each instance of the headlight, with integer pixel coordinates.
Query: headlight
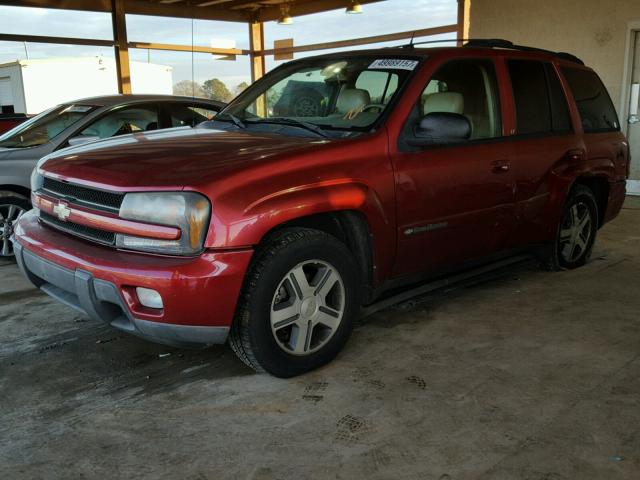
(188, 211)
(36, 180)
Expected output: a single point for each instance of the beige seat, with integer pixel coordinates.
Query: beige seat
(444, 102)
(352, 100)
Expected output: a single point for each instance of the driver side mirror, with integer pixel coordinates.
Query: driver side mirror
(441, 128)
(81, 139)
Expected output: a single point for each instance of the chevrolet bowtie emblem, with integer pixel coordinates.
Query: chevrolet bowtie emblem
(61, 211)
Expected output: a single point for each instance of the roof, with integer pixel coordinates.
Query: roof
(227, 10)
(418, 50)
(109, 100)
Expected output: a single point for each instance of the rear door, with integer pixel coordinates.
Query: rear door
(454, 201)
(542, 136)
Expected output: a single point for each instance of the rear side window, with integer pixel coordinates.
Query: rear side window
(541, 106)
(560, 119)
(594, 104)
(529, 83)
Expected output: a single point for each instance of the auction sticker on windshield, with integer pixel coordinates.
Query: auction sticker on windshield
(394, 63)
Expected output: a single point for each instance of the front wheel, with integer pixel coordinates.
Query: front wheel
(298, 305)
(11, 209)
(576, 232)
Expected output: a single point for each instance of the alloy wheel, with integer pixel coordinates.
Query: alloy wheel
(9, 215)
(575, 232)
(307, 307)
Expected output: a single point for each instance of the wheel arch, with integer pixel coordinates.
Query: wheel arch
(599, 185)
(351, 228)
(15, 190)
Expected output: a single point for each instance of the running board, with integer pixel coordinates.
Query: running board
(452, 281)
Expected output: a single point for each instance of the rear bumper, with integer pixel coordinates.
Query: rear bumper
(199, 294)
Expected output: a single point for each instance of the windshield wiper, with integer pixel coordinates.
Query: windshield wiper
(294, 123)
(236, 121)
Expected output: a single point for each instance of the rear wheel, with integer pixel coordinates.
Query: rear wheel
(576, 232)
(298, 305)
(11, 209)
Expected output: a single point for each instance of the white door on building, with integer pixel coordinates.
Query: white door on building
(6, 93)
(633, 127)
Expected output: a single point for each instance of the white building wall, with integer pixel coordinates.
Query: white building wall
(41, 84)
(12, 72)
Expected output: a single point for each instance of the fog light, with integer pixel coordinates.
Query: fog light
(149, 298)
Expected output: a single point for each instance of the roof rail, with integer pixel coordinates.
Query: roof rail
(506, 44)
(498, 43)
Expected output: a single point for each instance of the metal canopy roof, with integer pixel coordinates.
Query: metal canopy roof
(252, 12)
(226, 10)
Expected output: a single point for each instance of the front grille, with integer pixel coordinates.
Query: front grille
(93, 234)
(100, 199)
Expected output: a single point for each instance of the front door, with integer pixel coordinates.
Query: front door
(454, 200)
(633, 129)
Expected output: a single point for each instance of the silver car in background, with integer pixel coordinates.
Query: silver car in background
(82, 121)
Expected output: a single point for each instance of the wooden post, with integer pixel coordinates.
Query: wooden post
(121, 46)
(258, 68)
(256, 38)
(463, 20)
(460, 32)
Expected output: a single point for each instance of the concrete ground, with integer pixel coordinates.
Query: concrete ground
(532, 376)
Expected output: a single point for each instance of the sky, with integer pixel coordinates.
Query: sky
(379, 18)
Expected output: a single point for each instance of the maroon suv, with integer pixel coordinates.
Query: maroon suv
(325, 184)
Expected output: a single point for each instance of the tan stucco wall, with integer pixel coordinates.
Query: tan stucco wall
(594, 30)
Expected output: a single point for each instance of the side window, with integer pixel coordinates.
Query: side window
(380, 85)
(182, 115)
(594, 104)
(560, 119)
(469, 88)
(529, 83)
(123, 121)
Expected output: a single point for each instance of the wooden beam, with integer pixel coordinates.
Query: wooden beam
(60, 40)
(188, 48)
(121, 46)
(307, 7)
(138, 7)
(256, 40)
(365, 40)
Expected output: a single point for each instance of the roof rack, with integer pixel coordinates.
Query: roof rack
(498, 43)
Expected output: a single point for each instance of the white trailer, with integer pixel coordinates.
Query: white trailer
(31, 86)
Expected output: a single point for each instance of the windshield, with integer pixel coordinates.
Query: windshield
(42, 128)
(330, 93)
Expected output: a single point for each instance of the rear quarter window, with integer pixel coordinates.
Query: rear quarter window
(594, 104)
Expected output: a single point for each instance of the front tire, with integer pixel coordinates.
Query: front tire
(11, 209)
(577, 231)
(298, 305)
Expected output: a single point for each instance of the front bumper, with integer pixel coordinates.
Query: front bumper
(199, 294)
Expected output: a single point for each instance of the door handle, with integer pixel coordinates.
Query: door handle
(500, 166)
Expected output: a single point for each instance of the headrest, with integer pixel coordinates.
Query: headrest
(446, 102)
(352, 99)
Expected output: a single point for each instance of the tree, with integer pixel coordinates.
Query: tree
(188, 89)
(241, 87)
(217, 90)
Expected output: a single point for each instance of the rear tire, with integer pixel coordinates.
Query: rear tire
(298, 305)
(576, 232)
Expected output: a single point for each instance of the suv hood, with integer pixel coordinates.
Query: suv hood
(170, 159)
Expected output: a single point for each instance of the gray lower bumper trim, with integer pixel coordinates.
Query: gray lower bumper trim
(101, 300)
